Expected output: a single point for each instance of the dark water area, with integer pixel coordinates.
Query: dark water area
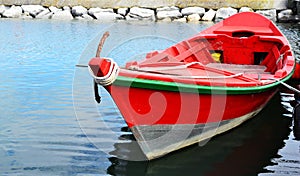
(51, 125)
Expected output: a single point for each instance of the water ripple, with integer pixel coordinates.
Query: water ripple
(41, 134)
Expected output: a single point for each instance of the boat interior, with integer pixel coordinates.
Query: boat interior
(229, 48)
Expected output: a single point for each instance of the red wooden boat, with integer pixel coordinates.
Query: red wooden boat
(200, 87)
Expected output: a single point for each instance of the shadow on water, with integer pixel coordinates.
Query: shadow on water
(295, 102)
(245, 150)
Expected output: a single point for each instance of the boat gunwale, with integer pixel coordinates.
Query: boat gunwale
(135, 82)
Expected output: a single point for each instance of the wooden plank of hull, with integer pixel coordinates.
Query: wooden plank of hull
(159, 140)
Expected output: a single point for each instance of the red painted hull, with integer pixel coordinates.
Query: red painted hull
(296, 74)
(152, 107)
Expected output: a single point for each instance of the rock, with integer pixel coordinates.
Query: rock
(123, 11)
(246, 9)
(168, 19)
(171, 8)
(141, 14)
(33, 10)
(87, 17)
(128, 18)
(46, 14)
(285, 15)
(3, 8)
(193, 17)
(78, 18)
(62, 15)
(54, 9)
(193, 10)
(67, 8)
(224, 13)
(26, 15)
(13, 12)
(108, 16)
(92, 11)
(168, 12)
(270, 14)
(78, 11)
(183, 19)
(209, 15)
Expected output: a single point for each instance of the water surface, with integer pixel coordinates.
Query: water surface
(50, 124)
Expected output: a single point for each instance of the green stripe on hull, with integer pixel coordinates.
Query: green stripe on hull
(191, 88)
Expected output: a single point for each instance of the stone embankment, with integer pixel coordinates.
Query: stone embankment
(173, 13)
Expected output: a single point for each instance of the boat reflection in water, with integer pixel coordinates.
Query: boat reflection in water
(296, 115)
(246, 150)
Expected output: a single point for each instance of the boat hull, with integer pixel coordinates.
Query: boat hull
(164, 121)
(158, 107)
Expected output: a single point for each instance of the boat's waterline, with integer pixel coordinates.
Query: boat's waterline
(158, 140)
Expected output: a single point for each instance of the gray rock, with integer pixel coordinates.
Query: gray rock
(183, 19)
(128, 18)
(13, 12)
(246, 9)
(123, 11)
(209, 15)
(62, 15)
(168, 12)
(87, 17)
(171, 8)
(270, 14)
(25, 15)
(33, 10)
(93, 11)
(193, 10)
(108, 16)
(3, 8)
(285, 15)
(193, 17)
(66, 8)
(224, 13)
(141, 14)
(78, 18)
(168, 19)
(54, 9)
(78, 11)
(46, 14)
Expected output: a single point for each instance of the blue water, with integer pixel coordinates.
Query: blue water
(50, 124)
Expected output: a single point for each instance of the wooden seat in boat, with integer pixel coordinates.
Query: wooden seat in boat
(239, 68)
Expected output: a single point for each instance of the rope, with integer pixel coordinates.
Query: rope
(211, 77)
(110, 77)
(185, 66)
(101, 43)
(164, 68)
(287, 86)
